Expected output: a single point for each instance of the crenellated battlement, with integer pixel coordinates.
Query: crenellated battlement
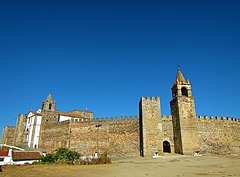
(109, 119)
(150, 99)
(218, 118)
(164, 117)
(78, 120)
(116, 118)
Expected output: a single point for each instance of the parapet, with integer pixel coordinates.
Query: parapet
(150, 99)
(218, 118)
(116, 118)
(164, 117)
(78, 120)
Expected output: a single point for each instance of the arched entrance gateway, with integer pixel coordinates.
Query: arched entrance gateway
(166, 147)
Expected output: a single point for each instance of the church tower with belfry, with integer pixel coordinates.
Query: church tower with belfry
(49, 117)
(49, 112)
(185, 132)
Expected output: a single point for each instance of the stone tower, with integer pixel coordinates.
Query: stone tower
(183, 112)
(149, 114)
(20, 134)
(49, 104)
(49, 113)
(49, 117)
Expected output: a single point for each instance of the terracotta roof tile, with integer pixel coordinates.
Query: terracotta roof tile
(70, 115)
(26, 155)
(3, 152)
(36, 114)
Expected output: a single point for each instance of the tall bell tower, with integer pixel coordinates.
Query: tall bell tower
(184, 119)
(49, 113)
(49, 117)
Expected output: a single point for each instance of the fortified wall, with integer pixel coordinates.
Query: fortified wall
(19, 137)
(155, 130)
(8, 135)
(54, 135)
(219, 135)
(119, 136)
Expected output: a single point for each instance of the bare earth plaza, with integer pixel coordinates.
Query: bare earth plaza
(136, 167)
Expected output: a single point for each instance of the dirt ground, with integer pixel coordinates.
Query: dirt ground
(171, 166)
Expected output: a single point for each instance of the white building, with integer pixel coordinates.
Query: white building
(6, 157)
(10, 157)
(34, 119)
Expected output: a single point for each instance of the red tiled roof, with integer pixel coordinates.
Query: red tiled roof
(35, 113)
(3, 152)
(26, 155)
(70, 115)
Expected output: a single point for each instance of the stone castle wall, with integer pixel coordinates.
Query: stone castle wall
(83, 113)
(20, 138)
(121, 136)
(219, 135)
(117, 136)
(154, 128)
(54, 135)
(8, 135)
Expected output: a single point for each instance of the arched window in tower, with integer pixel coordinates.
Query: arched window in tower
(50, 106)
(184, 91)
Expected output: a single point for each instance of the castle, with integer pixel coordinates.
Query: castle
(183, 132)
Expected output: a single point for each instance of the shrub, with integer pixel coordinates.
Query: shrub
(65, 155)
(62, 155)
(49, 158)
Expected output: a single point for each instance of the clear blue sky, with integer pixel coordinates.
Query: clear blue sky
(105, 55)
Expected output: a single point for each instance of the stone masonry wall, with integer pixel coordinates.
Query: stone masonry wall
(20, 131)
(150, 114)
(118, 136)
(154, 129)
(83, 113)
(185, 126)
(8, 135)
(219, 135)
(54, 135)
(166, 132)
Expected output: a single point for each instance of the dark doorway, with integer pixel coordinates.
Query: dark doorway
(166, 147)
